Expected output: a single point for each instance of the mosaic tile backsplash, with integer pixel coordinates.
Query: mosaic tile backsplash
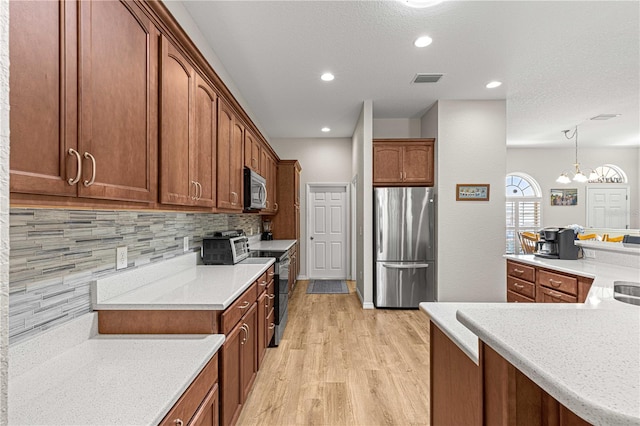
(55, 254)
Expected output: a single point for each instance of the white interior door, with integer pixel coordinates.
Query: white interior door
(608, 207)
(327, 231)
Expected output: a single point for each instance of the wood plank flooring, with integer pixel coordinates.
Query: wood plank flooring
(338, 364)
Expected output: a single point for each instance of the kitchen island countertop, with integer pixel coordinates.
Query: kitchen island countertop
(277, 245)
(587, 356)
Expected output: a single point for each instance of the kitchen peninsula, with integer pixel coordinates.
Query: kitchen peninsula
(565, 363)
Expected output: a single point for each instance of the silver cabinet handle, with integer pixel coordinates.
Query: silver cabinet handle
(73, 181)
(195, 190)
(245, 305)
(234, 198)
(263, 284)
(518, 271)
(178, 422)
(412, 266)
(271, 296)
(275, 206)
(93, 172)
(271, 274)
(272, 326)
(199, 190)
(554, 282)
(246, 334)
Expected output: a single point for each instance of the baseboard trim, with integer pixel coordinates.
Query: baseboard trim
(302, 278)
(368, 305)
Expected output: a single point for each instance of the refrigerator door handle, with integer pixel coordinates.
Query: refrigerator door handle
(411, 266)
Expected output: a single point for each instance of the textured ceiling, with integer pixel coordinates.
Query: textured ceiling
(561, 63)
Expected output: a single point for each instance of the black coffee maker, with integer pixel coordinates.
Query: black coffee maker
(557, 243)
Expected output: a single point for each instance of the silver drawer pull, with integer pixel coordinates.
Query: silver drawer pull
(516, 285)
(89, 182)
(518, 271)
(245, 305)
(272, 326)
(412, 266)
(178, 422)
(271, 296)
(263, 284)
(555, 283)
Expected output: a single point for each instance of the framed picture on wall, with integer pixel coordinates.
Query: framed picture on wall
(564, 197)
(472, 192)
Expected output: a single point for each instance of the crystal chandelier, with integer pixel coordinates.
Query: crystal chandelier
(578, 176)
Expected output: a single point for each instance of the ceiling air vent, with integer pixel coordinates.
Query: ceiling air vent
(605, 116)
(427, 78)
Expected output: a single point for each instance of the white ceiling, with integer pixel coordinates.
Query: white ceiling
(561, 63)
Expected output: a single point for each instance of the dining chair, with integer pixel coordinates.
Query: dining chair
(588, 237)
(528, 241)
(618, 239)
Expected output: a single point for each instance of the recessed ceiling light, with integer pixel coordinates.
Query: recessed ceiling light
(494, 84)
(422, 41)
(325, 129)
(327, 76)
(420, 3)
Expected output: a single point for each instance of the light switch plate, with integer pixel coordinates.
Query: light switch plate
(121, 258)
(186, 244)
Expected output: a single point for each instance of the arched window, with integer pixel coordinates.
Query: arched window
(523, 205)
(609, 173)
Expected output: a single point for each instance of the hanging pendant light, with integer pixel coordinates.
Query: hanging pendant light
(578, 176)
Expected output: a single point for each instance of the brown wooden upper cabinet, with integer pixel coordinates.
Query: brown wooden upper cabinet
(269, 170)
(253, 153)
(187, 132)
(95, 78)
(230, 144)
(403, 162)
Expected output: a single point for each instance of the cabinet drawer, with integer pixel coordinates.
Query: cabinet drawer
(523, 287)
(558, 282)
(195, 394)
(233, 313)
(271, 273)
(517, 298)
(263, 282)
(523, 272)
(546, 295)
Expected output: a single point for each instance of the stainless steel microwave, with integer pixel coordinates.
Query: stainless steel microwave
(255, 190)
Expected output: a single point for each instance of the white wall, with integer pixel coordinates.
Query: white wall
(471, 144)
(187, 23)
(362, 171)
(4, 209)
(322, 160)
(545, 165)
(385, 128)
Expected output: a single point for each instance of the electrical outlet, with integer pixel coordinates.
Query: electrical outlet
(186, 244)
(121, 258)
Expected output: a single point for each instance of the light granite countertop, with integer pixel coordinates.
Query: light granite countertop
(276, 245)
(73, 376)
(184, 285)
(587, 356)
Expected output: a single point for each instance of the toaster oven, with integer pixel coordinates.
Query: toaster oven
(224, 249)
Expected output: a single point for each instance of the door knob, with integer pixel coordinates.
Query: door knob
(311, 238)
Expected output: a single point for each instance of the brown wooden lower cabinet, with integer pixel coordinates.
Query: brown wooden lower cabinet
(493, 393)
(198, 405)
(511, 398)
(456, 397)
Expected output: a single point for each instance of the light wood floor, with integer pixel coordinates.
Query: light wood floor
(338, 364)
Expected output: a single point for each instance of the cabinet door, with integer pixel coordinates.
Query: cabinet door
(235, 165)
(230, 385)
(417, 164)
(225, 136)
(252, 153)
(261, 331)
(296, 186)
(230, 140)
(387, 164)
(118, 98)
(207, 414)
(203, 162)
(43, 102)
(176, 88)
(273, 166)
(249, 357)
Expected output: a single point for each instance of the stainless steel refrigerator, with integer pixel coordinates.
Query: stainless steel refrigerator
(405, 252)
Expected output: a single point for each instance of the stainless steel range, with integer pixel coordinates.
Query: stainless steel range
(281, 288)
